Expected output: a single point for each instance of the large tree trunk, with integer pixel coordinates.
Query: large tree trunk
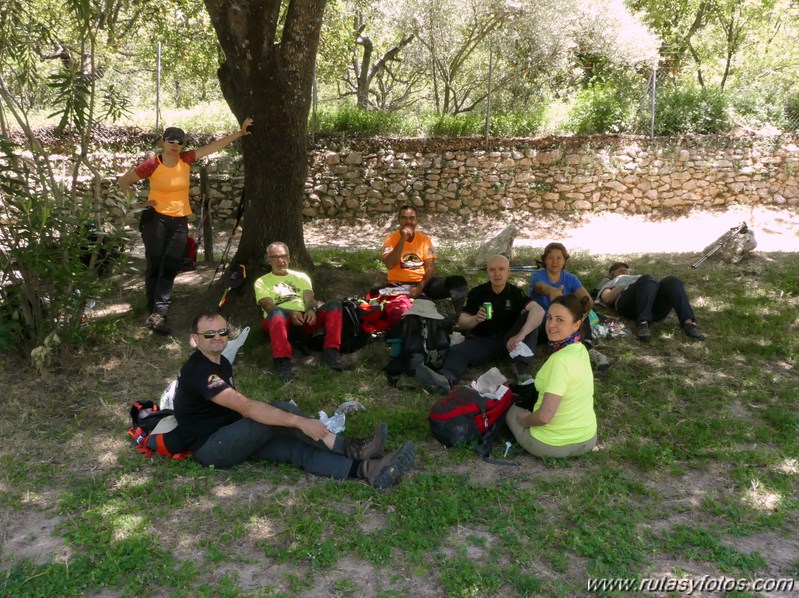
(268, 74)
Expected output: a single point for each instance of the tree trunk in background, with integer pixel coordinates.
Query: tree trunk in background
(268, 74)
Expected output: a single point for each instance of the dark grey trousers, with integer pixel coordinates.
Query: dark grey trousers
(248, 439)
(477, 350)
(649, 300)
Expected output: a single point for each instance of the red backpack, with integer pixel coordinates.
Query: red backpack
(381, 315)
(189, 261)
(154, 430)
(465, 415)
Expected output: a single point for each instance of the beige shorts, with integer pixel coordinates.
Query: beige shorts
(541, 449)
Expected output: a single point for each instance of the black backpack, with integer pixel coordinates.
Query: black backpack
(353, 336)
(423, 341)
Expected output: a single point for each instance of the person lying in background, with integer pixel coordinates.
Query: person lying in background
(645, 299)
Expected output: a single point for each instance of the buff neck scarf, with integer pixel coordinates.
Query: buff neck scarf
(558, 345)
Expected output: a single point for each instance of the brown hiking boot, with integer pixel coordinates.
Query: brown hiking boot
(384, 473)
(367, 448)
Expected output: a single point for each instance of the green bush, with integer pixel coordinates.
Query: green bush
(691, 111)
(352, 121)
(349, 120)
(603, 108)
(792, 112)
(518, 124)
(457, 126)
(52, 242)
(757, 107)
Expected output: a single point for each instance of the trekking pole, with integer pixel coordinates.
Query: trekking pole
(203, 234)
(223, 260)
(726, 238)
(237, 276)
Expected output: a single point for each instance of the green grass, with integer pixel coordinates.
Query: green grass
(696, 470)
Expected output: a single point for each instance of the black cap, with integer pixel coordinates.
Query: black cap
(174, 134)
(615, 266)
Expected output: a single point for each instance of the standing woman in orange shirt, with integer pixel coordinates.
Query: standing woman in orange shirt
(164, 223)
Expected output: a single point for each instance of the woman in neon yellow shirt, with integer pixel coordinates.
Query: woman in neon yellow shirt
(164, 223)
(563, 422)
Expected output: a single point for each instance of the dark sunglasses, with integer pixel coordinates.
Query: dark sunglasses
(209, 334)
(174, 142)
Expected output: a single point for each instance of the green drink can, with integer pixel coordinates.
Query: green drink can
(489, 309)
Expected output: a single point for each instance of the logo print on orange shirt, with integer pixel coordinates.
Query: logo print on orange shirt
(411, 262)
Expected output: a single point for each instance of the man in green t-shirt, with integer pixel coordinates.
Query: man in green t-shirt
(287, 299)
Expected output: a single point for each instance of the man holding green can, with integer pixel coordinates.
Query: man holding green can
(514, 318)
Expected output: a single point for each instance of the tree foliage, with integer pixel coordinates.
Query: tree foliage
(51, 232)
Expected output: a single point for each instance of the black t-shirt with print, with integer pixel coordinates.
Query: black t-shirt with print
(200, 380)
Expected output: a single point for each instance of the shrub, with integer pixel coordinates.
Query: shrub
(691, 111)
(49, 264)
(792, 112)
(349, 120)
(518, 124)
(457, 126)
(603, 108)
(756, 107)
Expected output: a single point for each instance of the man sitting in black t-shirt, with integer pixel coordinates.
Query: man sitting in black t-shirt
(222, 427)
(515, 319)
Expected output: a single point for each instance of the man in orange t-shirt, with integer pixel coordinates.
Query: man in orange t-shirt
(410, 258)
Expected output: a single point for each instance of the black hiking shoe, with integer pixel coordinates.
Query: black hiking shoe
(384, 473)
(522, 373)
(692, 331)
(642, 332)
(284, 369)
(431, 381)
(332, 359)
(157, 323)
(367, 448)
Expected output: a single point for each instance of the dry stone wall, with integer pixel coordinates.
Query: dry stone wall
(619, 174)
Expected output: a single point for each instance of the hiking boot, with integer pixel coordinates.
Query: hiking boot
(384, 473)
(642, 332)
(284, 369)
(599, 361)
(692, 331)
(523, 377)
(157, 323)
(332, 359)
(367, 448)
(431, 381)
